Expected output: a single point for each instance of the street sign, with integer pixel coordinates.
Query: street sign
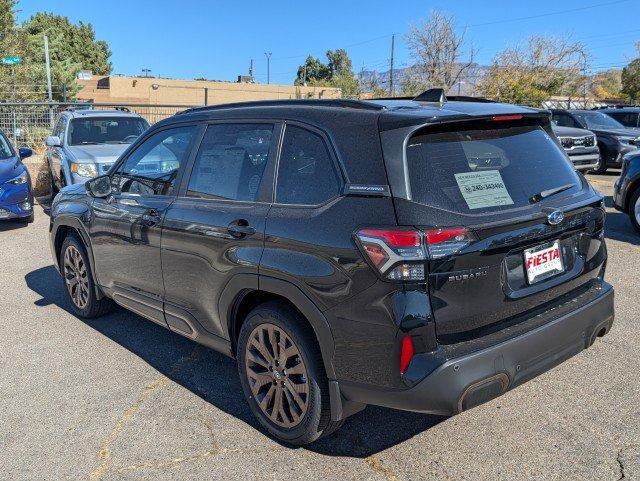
(11, 60)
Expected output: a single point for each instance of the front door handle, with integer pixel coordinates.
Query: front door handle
(240, 228)
(151, 218)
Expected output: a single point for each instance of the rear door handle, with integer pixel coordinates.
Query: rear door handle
(240, 228)
(151, 218)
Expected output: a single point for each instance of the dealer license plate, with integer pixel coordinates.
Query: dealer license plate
(543, 261)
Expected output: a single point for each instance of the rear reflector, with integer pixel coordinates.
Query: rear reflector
(406, 353)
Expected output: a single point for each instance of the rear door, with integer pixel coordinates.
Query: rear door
(501, 243)
(215, 228)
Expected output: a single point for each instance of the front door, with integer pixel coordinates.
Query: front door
(214, 230)
(126, 229)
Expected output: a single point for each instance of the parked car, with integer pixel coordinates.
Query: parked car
(580, 146)
(16, 195)
(416, 254)
(614, 139)
(86, 143)
(626, 191)
(627, 116)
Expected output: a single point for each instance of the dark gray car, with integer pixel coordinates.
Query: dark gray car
(86, 143)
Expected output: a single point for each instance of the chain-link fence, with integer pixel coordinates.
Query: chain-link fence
(28, 124)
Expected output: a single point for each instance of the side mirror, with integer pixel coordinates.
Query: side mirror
(53, 141)
(99, 187)
(24, 152)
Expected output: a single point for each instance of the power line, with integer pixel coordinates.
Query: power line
(549, 14)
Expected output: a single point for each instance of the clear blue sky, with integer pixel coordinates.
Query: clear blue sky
(216, 39)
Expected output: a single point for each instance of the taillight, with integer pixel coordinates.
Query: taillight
(398, 254)
(406, 353)
(447, 241)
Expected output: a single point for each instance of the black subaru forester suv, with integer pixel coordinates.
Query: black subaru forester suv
(423, 254)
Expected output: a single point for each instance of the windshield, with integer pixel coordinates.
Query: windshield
(598, 120)
(484, 171)
(5, 148)
(106, 130)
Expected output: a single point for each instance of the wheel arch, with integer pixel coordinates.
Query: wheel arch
(246, 291)
(63, 226)
(634, 186)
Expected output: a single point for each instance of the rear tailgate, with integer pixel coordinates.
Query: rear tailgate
(516, 259)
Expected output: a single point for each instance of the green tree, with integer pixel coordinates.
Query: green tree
(631, 78)
(316, 72)
(338, 72)
(7, 18)
(71, 48)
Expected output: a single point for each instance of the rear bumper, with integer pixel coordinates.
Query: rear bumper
(468, 381)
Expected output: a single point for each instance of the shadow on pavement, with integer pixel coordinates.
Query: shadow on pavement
(618, 225)
(214, 377)
(45, 203)
(13, 224)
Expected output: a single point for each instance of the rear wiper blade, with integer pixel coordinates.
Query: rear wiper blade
(548, 193)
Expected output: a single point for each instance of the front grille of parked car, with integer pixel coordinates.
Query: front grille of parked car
(571, 142)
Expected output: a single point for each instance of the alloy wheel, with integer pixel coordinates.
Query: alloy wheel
(636, 210)
(277, 375)
(75, 277)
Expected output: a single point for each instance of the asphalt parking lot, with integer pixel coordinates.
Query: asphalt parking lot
(122, 398)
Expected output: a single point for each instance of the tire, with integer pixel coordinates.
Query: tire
(74, 265)
(601, 167)
(300, 420)
(30, 219)
(53, 188)
(634, 210)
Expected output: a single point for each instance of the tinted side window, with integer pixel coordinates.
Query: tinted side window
(231, 162)
(564, 120)
(626, 119)
(152, 168)
(306, 172)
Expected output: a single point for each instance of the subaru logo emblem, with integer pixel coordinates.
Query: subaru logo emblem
(555, 217)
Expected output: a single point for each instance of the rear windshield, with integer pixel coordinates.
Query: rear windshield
(484, 171)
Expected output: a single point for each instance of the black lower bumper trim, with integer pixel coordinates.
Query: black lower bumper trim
(467, 381)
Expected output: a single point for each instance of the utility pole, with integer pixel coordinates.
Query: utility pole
(48, 68)
(146, 71)
(304, 78)
(251, 69)
(584, 87)
(393, 42)
(268, 55)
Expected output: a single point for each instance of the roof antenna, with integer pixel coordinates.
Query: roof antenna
(432, 95)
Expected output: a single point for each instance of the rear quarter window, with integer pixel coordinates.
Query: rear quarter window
(307, 174)
(488, 170)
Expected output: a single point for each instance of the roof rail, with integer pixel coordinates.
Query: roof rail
(344, 103)
(614, 106)
(437, 95)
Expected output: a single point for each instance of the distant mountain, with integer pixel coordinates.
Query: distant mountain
(467, 84)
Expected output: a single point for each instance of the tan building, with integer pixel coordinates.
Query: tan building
(149, 90)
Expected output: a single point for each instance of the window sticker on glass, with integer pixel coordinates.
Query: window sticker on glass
(483, 189)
